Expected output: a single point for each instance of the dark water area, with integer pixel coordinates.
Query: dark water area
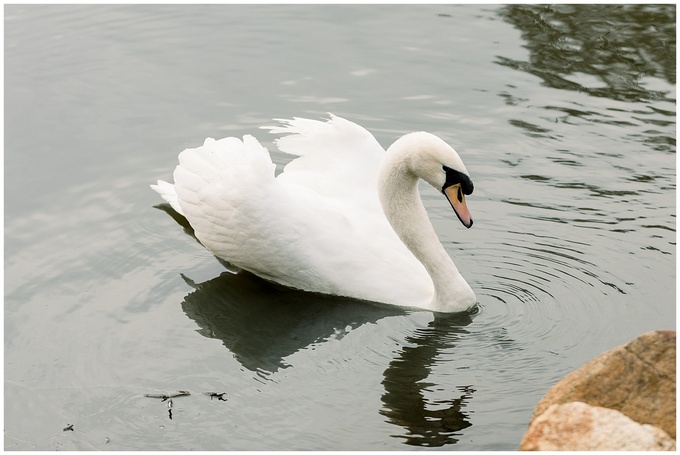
(617, 45)
(563, 114)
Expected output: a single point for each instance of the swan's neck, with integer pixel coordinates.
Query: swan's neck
(403, 207)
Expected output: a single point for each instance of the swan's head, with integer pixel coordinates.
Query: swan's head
(436, 162)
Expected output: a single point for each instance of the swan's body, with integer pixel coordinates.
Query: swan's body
(344, 218)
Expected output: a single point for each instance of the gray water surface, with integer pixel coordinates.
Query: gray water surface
(564, 115)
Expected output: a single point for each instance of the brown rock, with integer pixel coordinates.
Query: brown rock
(579, 426)
(637, 379)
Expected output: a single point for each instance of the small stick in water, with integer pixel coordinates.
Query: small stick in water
(219, 396)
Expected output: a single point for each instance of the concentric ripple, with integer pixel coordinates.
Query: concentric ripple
(533, 284)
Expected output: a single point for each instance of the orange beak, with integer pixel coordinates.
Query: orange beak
(454, 194)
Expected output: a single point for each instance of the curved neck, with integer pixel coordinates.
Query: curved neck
(404, 209)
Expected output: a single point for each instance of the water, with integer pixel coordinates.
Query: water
(564, 115)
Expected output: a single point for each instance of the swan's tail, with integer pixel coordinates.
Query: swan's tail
(167, 192)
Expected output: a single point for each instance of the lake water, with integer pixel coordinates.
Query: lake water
(564, 116)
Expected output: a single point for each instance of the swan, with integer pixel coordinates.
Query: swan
(344, 217)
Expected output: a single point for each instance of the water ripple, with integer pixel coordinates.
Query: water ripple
(530, 284)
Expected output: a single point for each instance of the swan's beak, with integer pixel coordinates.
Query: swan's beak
(454, 194)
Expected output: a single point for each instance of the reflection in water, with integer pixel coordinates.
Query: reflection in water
(262, 323)
(603, 50)
(405, 386)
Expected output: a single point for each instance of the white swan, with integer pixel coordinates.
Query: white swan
(344, 218)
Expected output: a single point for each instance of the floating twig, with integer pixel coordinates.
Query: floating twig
(219, 396)
(165, 397)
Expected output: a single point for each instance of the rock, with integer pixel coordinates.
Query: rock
(637, 379)
(579, 426)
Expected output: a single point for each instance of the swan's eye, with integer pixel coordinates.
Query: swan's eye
(454, 177)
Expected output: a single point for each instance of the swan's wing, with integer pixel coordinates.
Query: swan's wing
(241, 213)
(336, 158)
(220, 189)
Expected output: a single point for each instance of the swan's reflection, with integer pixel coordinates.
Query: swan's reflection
(262, 323)
(405, 384)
